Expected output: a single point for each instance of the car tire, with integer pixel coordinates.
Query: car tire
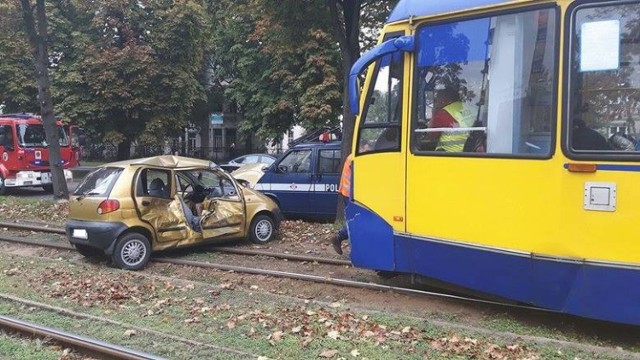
(48, 188)
(89, 251)
(3, 188)
(132, 252)
(262, 229)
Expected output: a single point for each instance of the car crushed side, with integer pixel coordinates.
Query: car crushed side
(119, 211)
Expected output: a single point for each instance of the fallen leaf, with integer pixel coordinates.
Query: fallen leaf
(335, 305)
(333, 334)
(276, 336)
(129, 333)
(328, 353)
(296, 329)
(355, 353)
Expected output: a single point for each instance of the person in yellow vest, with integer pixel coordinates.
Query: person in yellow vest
(344, 191)
(450, 112)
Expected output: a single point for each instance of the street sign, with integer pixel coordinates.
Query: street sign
(216, 119)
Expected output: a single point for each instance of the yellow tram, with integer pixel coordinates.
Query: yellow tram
(496, 148)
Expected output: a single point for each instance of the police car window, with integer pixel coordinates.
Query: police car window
(329, 162)
(298, 161)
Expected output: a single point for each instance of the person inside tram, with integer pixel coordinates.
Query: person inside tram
(449, 112)
(585, 138)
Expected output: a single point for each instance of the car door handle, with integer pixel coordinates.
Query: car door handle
(146, 202)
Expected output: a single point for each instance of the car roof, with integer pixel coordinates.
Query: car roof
(166, 161)
(316, 144)
(255, 154)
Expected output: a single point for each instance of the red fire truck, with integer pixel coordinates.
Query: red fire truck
(24, 152)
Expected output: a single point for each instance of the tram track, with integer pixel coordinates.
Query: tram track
(324, 280)
(107, 321)
(272, 273)
(48, 228)
(75, 341)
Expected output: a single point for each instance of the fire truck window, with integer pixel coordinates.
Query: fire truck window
(33, 135)
(6, 136)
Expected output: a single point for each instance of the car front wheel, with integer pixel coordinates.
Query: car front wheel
(262, 229)
(132, 252)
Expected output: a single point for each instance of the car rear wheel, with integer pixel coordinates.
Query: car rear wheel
(262, 229)
(48, 188)
(88, 251)
(3, 188)
(132, 252)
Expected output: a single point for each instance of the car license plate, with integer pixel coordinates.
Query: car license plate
(80, 234)
(45, 178)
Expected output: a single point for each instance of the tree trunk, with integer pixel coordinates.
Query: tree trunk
(38, 40)
(347, 30)
(124, 150)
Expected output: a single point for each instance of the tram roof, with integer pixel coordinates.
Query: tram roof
(418, 8)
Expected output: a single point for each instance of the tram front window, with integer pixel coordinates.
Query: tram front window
(380, 124)
(604, 111)
(486, 85)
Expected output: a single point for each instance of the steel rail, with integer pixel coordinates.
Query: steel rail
(45, 228)
(76, 341)
(343, 282)
(302, 277)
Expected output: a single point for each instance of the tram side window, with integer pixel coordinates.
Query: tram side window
(486, 86)
(380, 125)
(604, 110)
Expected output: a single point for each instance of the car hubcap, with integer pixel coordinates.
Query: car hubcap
(133, 252)
(263, 230)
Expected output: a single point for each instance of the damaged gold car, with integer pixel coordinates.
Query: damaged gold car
(130, 208)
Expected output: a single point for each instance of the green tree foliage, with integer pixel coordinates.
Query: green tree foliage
(18, 90)
(280, 62)
(133, 66)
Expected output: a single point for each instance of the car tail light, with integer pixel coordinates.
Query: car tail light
(108, 206)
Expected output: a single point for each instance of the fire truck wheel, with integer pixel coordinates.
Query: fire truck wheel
(48, 188)
(3, 189)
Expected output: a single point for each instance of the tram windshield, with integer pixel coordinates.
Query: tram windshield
(604, 112)
(486, 85)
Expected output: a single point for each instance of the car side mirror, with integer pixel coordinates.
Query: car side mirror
(283, 168)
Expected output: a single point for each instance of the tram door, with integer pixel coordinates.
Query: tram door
(479, 166)
(379, 164)
(602, 173)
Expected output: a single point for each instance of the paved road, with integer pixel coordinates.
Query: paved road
(37, 192)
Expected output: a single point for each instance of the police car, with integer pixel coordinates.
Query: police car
(304, 180)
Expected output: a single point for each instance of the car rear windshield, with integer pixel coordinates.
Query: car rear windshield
(99, 182)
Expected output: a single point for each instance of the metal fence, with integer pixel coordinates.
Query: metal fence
(109, 152)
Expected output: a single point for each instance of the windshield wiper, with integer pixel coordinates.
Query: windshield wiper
(87, 193)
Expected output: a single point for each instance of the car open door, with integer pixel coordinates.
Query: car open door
(223, 209)
(157, 206)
